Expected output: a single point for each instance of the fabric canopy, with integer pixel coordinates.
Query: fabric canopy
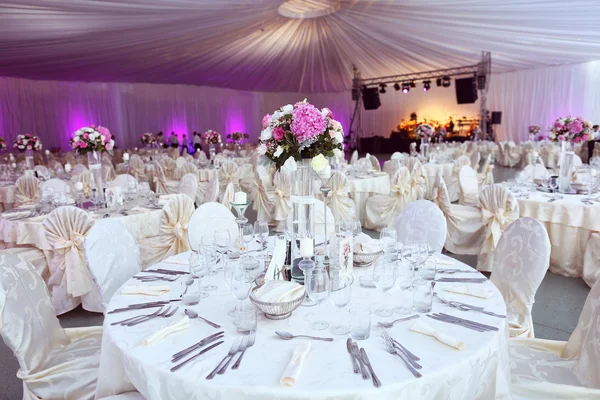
(295, 46)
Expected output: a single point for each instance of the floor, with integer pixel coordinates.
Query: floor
(558, 303)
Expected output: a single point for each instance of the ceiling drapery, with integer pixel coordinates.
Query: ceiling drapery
(251, 45)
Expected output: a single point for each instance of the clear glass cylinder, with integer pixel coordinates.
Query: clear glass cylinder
(567, 156)
(95, 167)
(29, 162)
(424, 148)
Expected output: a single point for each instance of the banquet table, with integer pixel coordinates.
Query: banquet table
(7, 195)
(570, 224)
(479, 371)
(361, 188)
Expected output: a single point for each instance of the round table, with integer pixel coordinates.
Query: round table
(479, 371)
(361, 188)
(7, 195)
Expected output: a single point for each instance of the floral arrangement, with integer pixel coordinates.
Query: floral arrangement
(92, 138)
(27, 141)
(534, 129)
(211, 137)
(298, 131)
(2, 143)
(148, 138)
(571, 129)
(424, 131)
(440, 132)
(237, 137)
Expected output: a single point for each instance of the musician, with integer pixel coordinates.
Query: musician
(450, 126)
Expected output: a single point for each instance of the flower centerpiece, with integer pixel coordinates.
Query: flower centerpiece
(27, 142)
(237, 137)
(149, 139)
(424, 132)
(211, 137)
(93, 140)
(533, 131)
(566, 131)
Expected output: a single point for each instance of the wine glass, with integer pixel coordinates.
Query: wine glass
(198, 269)
(230, 266)
(222, 239)
(590, 183)
(247, 236)
(318, 290)
(387, 237)
(261, 230)
(553, 184)
(384, 278)
(240, 285)
(340, 293)
(207, 251)
(415, 253)
(95, 198)
(355, 228)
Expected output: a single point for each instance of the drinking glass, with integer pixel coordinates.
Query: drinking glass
(240, 284)
(428, 270)
(415, 253)
(222, 239)
(191, 292)
(199, 269)
(360, 322)
(245, 317)
(340, 293)
(318, 290)
(95, 198)
(261, 230)
(404, 280)
(422, 295)
(384, 278)
(353, 227)
(208, 247)
(387, 237)
(247, 236)
(230, 266)
(252, 267)
(553, 184)
(590, 183)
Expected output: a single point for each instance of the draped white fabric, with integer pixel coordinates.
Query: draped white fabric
(422, 221)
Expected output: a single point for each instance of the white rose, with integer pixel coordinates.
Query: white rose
(337, 153)
(289, 165)
(262, 149)
(278, 152)
(102, 137)
(325, 112)
(76, 139)
(266, 134)
(339, 137)
(287, 109)
(276, 115)
(319, 162)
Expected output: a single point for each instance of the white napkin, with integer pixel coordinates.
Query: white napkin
(177, 260)
(469, 291)
(364, 244)
(294, 367)
(442, 260)
(277, 260)
(425, 329)
(145, 290)
(178, 326)
(279, 291)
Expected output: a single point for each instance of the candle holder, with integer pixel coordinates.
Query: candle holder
(307, 265)
(325, 189)
(240, 210)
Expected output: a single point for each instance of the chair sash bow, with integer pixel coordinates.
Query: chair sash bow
(73, 262)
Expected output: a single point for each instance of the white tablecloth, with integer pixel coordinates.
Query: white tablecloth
(479, 371)
(362, 188)
(7, 196)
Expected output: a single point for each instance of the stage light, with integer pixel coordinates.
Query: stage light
(438, 82)
(446, 81)
(382, 88)
(405, 87)
(426, 85)
(396, 86)
(413, 84)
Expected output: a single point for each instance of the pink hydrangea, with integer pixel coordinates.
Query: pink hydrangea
(278, 133)
(575, 126)
(307, 121)
(265, 121)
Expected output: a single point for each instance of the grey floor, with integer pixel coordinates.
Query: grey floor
(558, 303)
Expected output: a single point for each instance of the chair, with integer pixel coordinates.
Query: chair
(42, 171)
(422, 221)
(57, 185)
(207, 219)
(112, 255)
(469, 186)
(211, 194)
(498, 209)
(381, 209)
(521, 260)
(397, 156)
(319, 210)
(475, 159)
(70, 282)
(123, 181)
(172, 238)
(342, 206)
(283, 204)
(180, 162)
(536, 171)
(391, 166)
(486, 176)
(55, 363)
(413, 149)
(549, 369)
(188, 185)
(375, 163)
(262, 196)
(27, 190)
(452, 184)
(137, 168)
(228, 183)
(354, 157)
(162, 186)
(79, 169)
(418, 180)
(108, 171)
(591, 270)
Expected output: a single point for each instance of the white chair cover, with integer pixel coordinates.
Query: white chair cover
(537, 171)
(137, 168)
(486, 176)
(354, 157)
(123, 181)
(381, 209)
(342, 206)
(391, 166)
(188, 185)
(186, 168)
(70, 282)
(112, 255)
(180, 162)
(375, 163)
(283, 205)
(498, 209)
(452, 184)
(168, 165)
(475, 159)
(201, 156)
(469, 187)
(398, 156)
(422, 221)
(54, 363)
(319, 210)
(86, 179)
(79, 169)
(591, 268)
(108, 171)
(228, 182)
(520, 264)
(418, 180)
(58, 185)
(27, 190)
(263, 198)
(206, 226)
(160, 180)
(413, 149)
(211, 193)
(42, 171)
(172, 238)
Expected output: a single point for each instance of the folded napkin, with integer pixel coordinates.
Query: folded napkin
(279, 291)
(145, 290)
(291, 373)
(177, 326)
(140, 209)
(177, 260)
(425, 329)
(364, 244)
(442, 260)
(277, 260)
(470, 291)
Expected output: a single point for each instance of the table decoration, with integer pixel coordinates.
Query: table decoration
(28, 143)
(93, 140)
(212, 138)
(533, 131)
(149, 139)
(440, 134)
(425, 132)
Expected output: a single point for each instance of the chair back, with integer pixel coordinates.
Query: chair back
(208, 218)
(520, 263)
(422, 221)
(160, 180)
(469, 185)
(212, 190)
(188, 185)
(354, 157)
(112, 255)
(475, 159)
(79, 169)
(440, 196)
(391, 166)
(375, 163)
(180, 162)
(55, 184)
(123, 181)
(342, 206)
(282, 183)
(42, 171)
(228, 182)
(27, 190)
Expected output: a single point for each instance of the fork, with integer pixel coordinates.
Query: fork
(392, 350)
(243, 345)
(166, 314)
(251, 340)
(410, 356)
(137, 317)
(234, 348)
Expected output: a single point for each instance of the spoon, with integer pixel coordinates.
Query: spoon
(188, 282)
(390, 324)
(288, 336)
(193, 314)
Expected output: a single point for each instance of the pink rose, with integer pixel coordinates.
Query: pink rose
(278, 133)
(332, 133)
(86, 136)
(577, 140)
(109, 146)
(265, 121)
(561, 138)
(585, 137)
(107, 139)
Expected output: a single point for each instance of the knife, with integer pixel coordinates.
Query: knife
(175, 368)
(354, 362)
(356, 354)
(203, 342)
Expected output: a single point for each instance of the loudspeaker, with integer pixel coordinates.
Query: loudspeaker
(466, 90)
(371, 98)
(496, 117)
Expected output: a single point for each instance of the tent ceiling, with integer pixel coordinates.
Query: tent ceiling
(294, 45)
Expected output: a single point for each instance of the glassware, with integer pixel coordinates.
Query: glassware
(245, 317)
(230, 266)
(95, 167)
(567, 156)
(247, 236)
(191, 292)
(95, 198)
(590, 183)
(404, 280)
(222, 239)
(209, 249)
(384, 278)
(199, 270)
(302, 213)
(340, 293)
(356, 228)
(241, 284)
(261, 230)
(415, 253)
(252, 267)
(388, 238)
(318, 290)
(428, 269)
(422, 295)
(553, 184)
(360, 322)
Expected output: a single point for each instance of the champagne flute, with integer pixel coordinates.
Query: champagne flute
(207, 253)
(384, 278)
(261, 230)
(247, 236)
(340, 293)
(318, 290)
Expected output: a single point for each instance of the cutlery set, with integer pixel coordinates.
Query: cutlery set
(187, 351)
(163, 311)
(456, 271)
(467, 307)
(465, 323)
(288, 336)
(361, 362)
(152, 278)
(240, 345)
(394, 347)
(141, 306)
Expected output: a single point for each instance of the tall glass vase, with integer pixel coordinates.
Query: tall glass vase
(95, 167)
(424, 148)
(566, 166)
(29, 162)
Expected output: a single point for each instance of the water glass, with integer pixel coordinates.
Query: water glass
(191, 291)
(198, 269)
(261, 230)
(384, 278)
(428, 270)
(245, 317)
(422, 296)
(247, 236)
(222, 239)
(404, 280)
(340, 293)
(240, 283)
(252, 267)
(387, 237)
(318, 290)
(360, 322)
